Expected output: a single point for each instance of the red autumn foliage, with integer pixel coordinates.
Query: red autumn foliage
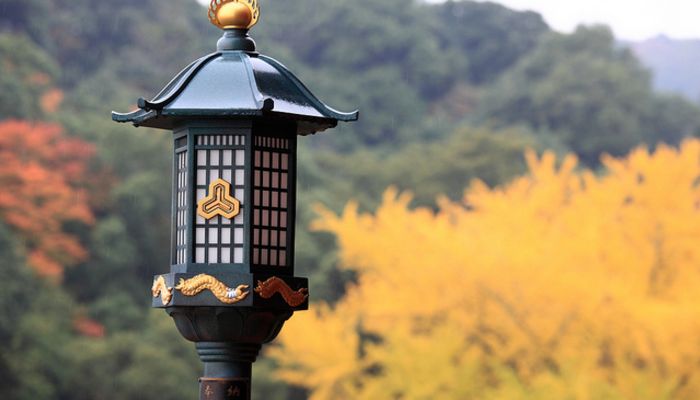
(43, 174)
(89, 328)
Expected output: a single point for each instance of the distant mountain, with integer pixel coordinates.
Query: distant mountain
(675, 63)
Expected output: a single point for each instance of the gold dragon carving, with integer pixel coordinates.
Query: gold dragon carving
(275, 285)
(194, 286)
(160, 288)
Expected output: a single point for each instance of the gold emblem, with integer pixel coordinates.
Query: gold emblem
(275, 285)
(198, 284)
(234, 14)
(160, 288)
(219, 202)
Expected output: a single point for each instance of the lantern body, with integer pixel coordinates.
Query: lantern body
(235, 116)
(257, 160)
(233, 212)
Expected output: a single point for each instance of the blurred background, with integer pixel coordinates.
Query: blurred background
(515, 216)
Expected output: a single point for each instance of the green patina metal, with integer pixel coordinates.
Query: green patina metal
(233, 305)
(234, 83)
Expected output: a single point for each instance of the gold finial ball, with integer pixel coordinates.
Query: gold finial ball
(234, 14)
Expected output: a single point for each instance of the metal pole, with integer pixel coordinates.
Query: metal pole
(227, 370)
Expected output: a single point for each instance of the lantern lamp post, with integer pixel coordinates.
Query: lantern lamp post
(235, 116)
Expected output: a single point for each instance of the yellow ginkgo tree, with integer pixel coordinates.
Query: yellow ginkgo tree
(563, 284)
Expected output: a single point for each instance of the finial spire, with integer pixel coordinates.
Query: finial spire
(234, 14)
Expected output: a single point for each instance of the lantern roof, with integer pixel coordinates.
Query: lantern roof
(235, 81)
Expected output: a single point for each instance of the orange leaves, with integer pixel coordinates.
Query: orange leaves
(89, 328)
(51, 101)
(561, 284)
(43, 174)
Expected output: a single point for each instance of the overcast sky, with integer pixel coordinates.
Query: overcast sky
(630, 19)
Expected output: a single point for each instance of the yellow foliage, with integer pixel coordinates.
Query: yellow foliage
(562, 284)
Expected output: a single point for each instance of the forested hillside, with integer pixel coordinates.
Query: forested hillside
(448, 93)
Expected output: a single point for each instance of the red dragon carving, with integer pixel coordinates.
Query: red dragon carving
(274, 285)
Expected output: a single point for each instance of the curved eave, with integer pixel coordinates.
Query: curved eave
(170, 120)
(259, 95)
(137, 117)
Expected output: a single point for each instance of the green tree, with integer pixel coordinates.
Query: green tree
(395, 60)
(36, 325)
(492, 36)
(17, 285)
(147, 363)
(27, 76)
(25, 16)
(581, 86)
(590, 92)
(674, 119)
(442, 167)
(87, 35)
